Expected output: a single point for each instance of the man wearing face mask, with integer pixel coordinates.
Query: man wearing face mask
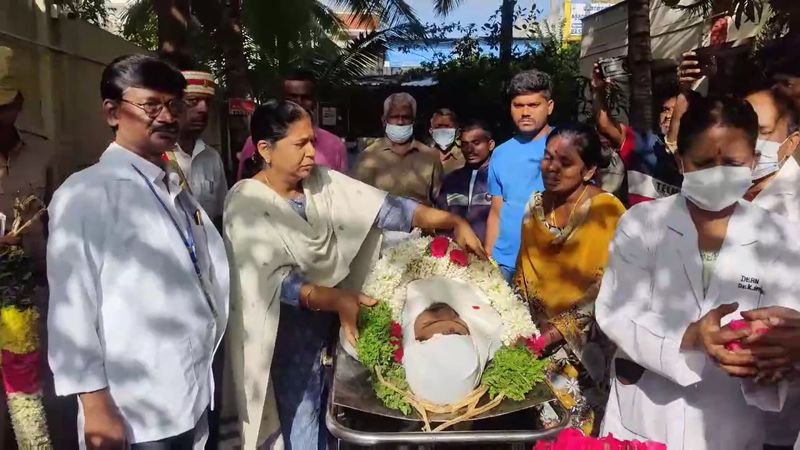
(444, 136)
(776, 188)
(398, 163)
(776, 177)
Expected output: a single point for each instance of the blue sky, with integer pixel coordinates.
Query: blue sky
(470, 11)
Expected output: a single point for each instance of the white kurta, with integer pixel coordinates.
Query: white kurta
(205, 174)
(127, 310)
(652, 290)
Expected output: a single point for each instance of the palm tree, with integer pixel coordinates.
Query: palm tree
(506, 31)
(640, 59)
(173, 26)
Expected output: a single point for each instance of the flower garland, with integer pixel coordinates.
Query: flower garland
(19, 338)
(515, 368)
(424, 258)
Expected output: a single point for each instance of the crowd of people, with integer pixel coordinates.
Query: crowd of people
(633, 248)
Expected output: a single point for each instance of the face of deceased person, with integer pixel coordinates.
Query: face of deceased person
(439, 319)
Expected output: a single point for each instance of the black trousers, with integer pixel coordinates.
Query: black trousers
(183, 441)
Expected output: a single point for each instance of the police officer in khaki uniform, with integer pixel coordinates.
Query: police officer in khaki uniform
(24, 160)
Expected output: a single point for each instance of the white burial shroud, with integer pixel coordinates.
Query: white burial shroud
(445, 369)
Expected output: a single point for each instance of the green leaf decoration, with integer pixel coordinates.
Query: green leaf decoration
(513, 371)
(373, 346)
(392, 399)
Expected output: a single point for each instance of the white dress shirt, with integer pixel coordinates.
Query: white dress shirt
(782, 196)
(127, 309)
(652, 290)
(206, 176)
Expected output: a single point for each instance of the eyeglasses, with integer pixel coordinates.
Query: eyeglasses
(153, 109)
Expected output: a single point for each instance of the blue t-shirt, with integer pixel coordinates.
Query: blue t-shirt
(515, 172)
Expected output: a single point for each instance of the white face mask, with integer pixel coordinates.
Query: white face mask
(444, 137)
(399, 133)
(768, 161)
(716, 188)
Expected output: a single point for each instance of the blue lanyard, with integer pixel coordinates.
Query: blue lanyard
(188, 238)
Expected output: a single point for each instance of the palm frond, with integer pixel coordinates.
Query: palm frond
(140, 24)
(445, 7)
(362, 55)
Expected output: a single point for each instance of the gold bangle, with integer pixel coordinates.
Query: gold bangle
(308, 298)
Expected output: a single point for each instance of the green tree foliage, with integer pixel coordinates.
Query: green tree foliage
(472, 81)
(92, 11)
(284, 34)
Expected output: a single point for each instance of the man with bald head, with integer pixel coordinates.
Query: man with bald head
(776, 177)
(398, 163)
(776, 188)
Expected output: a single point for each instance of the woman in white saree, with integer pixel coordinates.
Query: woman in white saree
(300, 239)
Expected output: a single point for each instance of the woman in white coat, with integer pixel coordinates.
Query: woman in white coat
(678, 267)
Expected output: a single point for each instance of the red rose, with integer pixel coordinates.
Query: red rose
(396, 330)
(164, 156)
(21, 372)
(459, 258)
(439, 246)
(398, 355)
(395, 342)
(536, 345)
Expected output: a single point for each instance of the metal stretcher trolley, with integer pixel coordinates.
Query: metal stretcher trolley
(356, 416)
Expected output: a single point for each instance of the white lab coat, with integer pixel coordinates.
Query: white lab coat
(782, 196)
(652, 290)
(127, 310)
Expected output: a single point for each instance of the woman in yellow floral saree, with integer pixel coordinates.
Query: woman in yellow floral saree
(564, 248)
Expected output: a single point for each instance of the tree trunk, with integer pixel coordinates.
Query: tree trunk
(173, 28)
(506, 31)
(640, 61)
(237, 85)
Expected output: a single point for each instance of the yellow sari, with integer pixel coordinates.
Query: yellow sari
(558, 273)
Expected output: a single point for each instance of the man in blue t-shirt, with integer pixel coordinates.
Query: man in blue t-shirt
(514, 170)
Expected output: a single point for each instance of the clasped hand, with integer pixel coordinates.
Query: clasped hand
(768, 349)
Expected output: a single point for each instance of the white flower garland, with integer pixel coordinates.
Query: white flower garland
(411, 261)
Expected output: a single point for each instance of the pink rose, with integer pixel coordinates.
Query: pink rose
(737, 325)
(459, 258)
(439, 246)
(573, 439)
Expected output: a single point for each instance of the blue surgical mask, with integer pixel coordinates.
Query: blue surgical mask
(399, 134)
(768, 161)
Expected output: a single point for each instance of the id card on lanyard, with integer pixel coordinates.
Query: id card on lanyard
(187, 238)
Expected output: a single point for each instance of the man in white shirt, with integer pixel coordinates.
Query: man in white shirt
(138, 277)
(199, 165)
(776, 188)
